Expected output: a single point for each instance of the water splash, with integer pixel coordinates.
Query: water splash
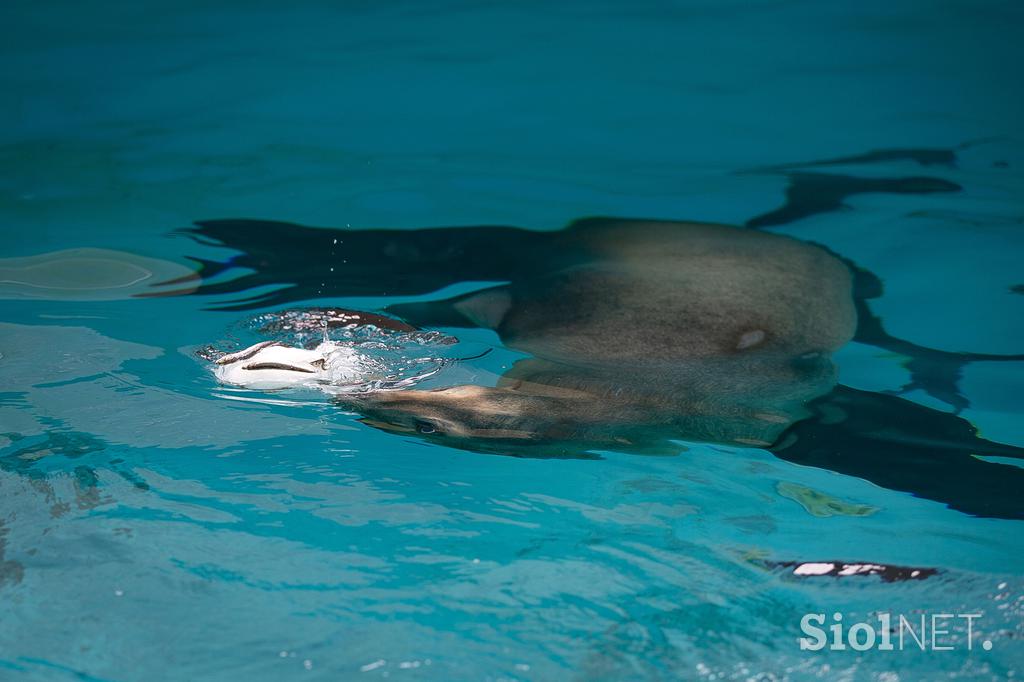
(313, 353)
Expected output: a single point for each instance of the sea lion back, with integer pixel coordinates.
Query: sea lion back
(661, 290)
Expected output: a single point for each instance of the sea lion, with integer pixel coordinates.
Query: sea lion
(630, 362)
(699, 332)
(734, 378)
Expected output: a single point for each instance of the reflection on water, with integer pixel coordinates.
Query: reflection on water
(329, 559)
(88, 275)
(152, 530)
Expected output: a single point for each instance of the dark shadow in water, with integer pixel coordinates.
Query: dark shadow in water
(28, 451)
(920, 156)
(936, 372)
(888, 440)
(901, 445)
(931, 370)
(306, 262)
(810, 194)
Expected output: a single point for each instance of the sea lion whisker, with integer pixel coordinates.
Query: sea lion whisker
(278, 365)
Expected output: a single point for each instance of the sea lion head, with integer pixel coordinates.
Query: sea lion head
(731, 402)
(479, 418)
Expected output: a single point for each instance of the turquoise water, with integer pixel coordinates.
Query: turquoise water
(153, 528)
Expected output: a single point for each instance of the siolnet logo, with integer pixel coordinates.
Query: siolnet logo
(889, 632)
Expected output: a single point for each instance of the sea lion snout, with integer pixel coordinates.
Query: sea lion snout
(457, 412)
(271, 365)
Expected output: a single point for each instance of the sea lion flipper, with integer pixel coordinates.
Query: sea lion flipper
(484, 308)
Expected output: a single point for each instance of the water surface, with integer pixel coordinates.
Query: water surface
(151, 529)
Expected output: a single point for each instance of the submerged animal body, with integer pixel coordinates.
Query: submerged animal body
(649, 292)
(693, 331)
(642, 333)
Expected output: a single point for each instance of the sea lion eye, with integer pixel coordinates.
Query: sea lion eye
(425, 427)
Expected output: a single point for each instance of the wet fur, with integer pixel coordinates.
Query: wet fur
(576, 402)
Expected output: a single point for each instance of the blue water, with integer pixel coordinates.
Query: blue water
(153, 529)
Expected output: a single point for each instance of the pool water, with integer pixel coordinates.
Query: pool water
(157, 526)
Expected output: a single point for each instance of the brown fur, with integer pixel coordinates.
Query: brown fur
(664, 331)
